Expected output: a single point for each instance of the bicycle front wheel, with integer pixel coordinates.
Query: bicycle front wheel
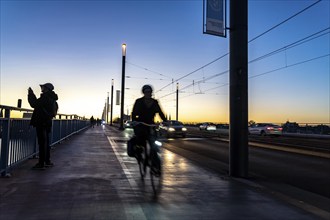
(155, 171)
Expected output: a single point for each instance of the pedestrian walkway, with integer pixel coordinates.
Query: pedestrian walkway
(94, 179)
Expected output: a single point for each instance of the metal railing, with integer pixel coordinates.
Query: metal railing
(18, 141)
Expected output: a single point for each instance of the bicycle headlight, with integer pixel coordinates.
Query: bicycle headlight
(158, 143)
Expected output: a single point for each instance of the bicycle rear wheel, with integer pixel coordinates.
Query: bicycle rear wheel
(141, 158)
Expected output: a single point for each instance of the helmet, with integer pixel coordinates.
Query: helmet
(146, 87)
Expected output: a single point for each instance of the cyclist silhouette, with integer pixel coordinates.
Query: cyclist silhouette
(144, 110)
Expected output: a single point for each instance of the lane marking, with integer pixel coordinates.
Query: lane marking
(286, 149)
(291, 150)
(135, 210)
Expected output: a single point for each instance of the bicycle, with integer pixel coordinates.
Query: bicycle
(151, 159)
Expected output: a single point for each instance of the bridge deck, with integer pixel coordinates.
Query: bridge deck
(94, 179)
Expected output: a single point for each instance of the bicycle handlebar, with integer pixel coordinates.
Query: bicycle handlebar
(140, 122)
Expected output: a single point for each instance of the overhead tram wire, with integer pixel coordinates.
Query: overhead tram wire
(294, 44)
(261, 74)
(131, 77)
(209, 78)
(289, 46)
(226, 84)
(197, 82)
(278, 69)
(194, 71)
(286, 20)
(255, 76)
(267, 31)
(299, 42)
(159, 79)
(291, 65)
(146, 69)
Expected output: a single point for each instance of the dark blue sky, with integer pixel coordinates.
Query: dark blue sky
(77, 46)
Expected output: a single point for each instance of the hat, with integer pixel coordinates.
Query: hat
(49, 86)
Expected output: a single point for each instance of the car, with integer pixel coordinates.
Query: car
(172, 128)
(265, 129)
(208, 127)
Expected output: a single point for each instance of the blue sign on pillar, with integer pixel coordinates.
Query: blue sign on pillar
(214, 19)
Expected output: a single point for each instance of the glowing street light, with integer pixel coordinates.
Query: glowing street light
(112, 83)
(123, 46)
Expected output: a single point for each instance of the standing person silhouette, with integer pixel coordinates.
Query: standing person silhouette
(92, 121)
(41, 119)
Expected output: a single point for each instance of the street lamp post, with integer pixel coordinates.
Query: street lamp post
(122, 87)
(107, 109)
(111, 102)
(177, 101)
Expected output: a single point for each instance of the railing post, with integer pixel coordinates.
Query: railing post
(5, 143)
(51, 141)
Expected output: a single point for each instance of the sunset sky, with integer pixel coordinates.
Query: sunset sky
(76, 45)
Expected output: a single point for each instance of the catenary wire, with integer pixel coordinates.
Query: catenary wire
(296, 43)
(265, 32)
(262, 57)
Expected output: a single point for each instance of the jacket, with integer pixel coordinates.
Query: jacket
(143, 113)
(42, 108)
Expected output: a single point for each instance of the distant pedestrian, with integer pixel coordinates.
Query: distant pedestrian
(92, 121)
(45, 108)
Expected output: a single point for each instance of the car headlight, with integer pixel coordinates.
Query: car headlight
(184, 129)
(171, 129)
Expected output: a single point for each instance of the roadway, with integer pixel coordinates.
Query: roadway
(297, 163)
(93, 178)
